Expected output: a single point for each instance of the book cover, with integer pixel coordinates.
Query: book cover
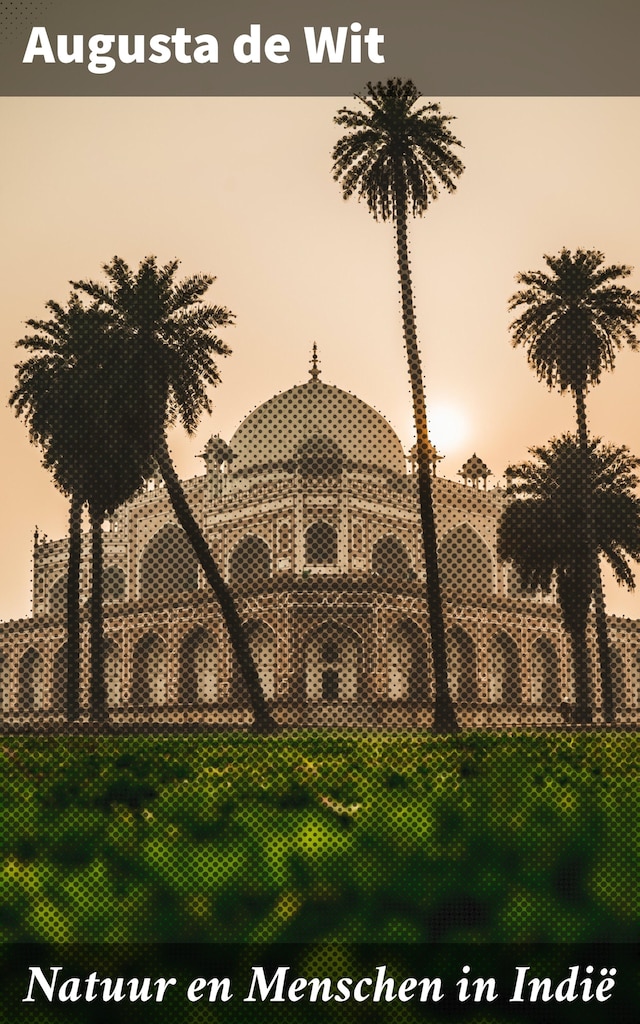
(353, 725)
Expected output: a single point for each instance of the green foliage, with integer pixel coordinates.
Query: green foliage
(309, 837)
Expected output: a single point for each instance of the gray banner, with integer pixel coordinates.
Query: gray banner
(449, 47)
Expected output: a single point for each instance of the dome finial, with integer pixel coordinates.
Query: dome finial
(314, 372)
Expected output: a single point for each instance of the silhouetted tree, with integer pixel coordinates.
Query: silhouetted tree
(396, 156)
(171, 344)
(573, 320)
(87, 426)
(544, 534)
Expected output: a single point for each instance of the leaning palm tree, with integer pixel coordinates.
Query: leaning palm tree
(171, 344)
(572, 321)
(90, 444)
(543, 533)
(396, 155)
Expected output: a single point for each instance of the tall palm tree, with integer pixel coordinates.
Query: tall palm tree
(91, 444)
(171, 345)
(572, 322)
(396, 155)
(544, 534)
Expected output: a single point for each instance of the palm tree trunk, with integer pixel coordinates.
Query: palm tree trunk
(604, 653)
(72, 690)
(602, 633)
(580, 656)
(581, 416)
(574, 593)
(444, 718)
(263, 721)
(97, 693)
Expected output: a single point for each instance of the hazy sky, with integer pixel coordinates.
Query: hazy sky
(242, 188)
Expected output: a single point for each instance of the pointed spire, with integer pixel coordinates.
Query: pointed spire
(314, 372)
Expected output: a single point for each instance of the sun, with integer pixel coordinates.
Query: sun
(449, 427)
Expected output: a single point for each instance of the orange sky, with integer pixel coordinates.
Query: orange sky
(241, 188)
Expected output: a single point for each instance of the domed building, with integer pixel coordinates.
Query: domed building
(311, 512)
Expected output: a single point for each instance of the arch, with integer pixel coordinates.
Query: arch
(199, 680)
(150, 671)
(321, 544)
(5, 682)
(545, 673)
(504, 670)
(114, 584)
(466, 565)
(30, 682)
(262, 641)
(168, 566)
(113, 672)
(618, 677)
(408, 662)
(333, 664)
(390, 560)
(250, 563)
(59, 677)
(463, 671)
(633, 681)
(58, 596)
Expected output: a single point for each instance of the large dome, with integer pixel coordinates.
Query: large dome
(276, 433)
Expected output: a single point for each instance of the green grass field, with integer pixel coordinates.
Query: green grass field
(317, 837)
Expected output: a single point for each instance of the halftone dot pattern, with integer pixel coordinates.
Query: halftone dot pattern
(315, 835)
(17, 19)
(317, 530)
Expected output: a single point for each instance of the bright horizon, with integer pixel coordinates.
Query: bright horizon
(242, 188)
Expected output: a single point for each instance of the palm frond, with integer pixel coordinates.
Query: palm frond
(395, 151)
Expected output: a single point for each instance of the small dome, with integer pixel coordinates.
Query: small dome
(291, 423)
(475, 469)
(216, 451)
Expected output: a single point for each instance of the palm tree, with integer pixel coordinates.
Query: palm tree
(92, 446)
(396, 155)
(573, 320)
(544, 534)
(171, 344)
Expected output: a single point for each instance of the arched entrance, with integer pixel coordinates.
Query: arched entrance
(618, 677)
(168, 567)
(198, 668)
(407, 660)
(113, 672)
(333, 664)
(5, 683)
(463, 672)
(150, 671)
(633, 697)
(262, 641)
(250, 564)
(465, 562)
(30, 682)
(545, 674)
(504, 670)
(59, 675)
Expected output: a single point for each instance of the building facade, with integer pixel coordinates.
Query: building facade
(311, 512)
